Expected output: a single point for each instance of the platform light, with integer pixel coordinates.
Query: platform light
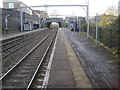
(6, 21)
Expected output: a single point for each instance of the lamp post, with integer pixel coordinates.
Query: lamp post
(6, 22)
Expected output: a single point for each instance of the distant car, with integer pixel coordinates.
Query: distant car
(54, 25)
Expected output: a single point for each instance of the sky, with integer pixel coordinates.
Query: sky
(95, 6)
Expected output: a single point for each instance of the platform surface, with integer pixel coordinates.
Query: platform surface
(66, 71)
(98, 56)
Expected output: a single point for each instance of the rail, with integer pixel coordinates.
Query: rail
(10, 70)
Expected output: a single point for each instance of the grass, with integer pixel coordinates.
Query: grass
(91, 37)
(116, 61)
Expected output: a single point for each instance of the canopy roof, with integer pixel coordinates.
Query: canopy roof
(11, 1)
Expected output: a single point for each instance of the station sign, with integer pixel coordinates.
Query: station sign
(11, 5)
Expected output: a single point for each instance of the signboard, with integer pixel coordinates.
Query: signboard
(96, 19)
(11, 5)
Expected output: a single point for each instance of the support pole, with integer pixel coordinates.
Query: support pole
(77, 27)
(80, 26)
(96, 29)
(46, 11)
(21, 17)
(88, 20)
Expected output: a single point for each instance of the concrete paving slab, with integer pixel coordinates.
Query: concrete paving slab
(78, 73)
(61, 75)
(61, 78)
(66, 71)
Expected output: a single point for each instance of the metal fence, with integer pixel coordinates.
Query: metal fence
(107, 35)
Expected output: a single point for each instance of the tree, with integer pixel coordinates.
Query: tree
(109, 17)
(106, 20)
(117, 22)
(111, 10)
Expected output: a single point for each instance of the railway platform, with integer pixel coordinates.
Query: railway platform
(66, 71)
(97, 61)
(16, 34)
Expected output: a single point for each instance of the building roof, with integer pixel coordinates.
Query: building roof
(11, 1)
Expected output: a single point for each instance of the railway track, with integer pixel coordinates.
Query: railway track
(22, 74)
(19, 52)
(40, 78)
(11, 45)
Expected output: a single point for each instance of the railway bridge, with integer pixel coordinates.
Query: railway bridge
(48, 21)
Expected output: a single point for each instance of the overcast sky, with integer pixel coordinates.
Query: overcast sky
(96, 6)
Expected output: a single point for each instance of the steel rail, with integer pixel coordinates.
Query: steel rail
(27, 41)
(47, 74)
(10, 40)
(6, 43)
(31, 81)
(10, 70)
(12, 51)
(14, 40)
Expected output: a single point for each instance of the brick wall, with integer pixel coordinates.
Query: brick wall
(14, 19)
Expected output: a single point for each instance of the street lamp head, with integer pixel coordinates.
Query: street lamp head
(8, 15)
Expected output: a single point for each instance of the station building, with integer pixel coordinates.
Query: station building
(12, 9)
(16, 5)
